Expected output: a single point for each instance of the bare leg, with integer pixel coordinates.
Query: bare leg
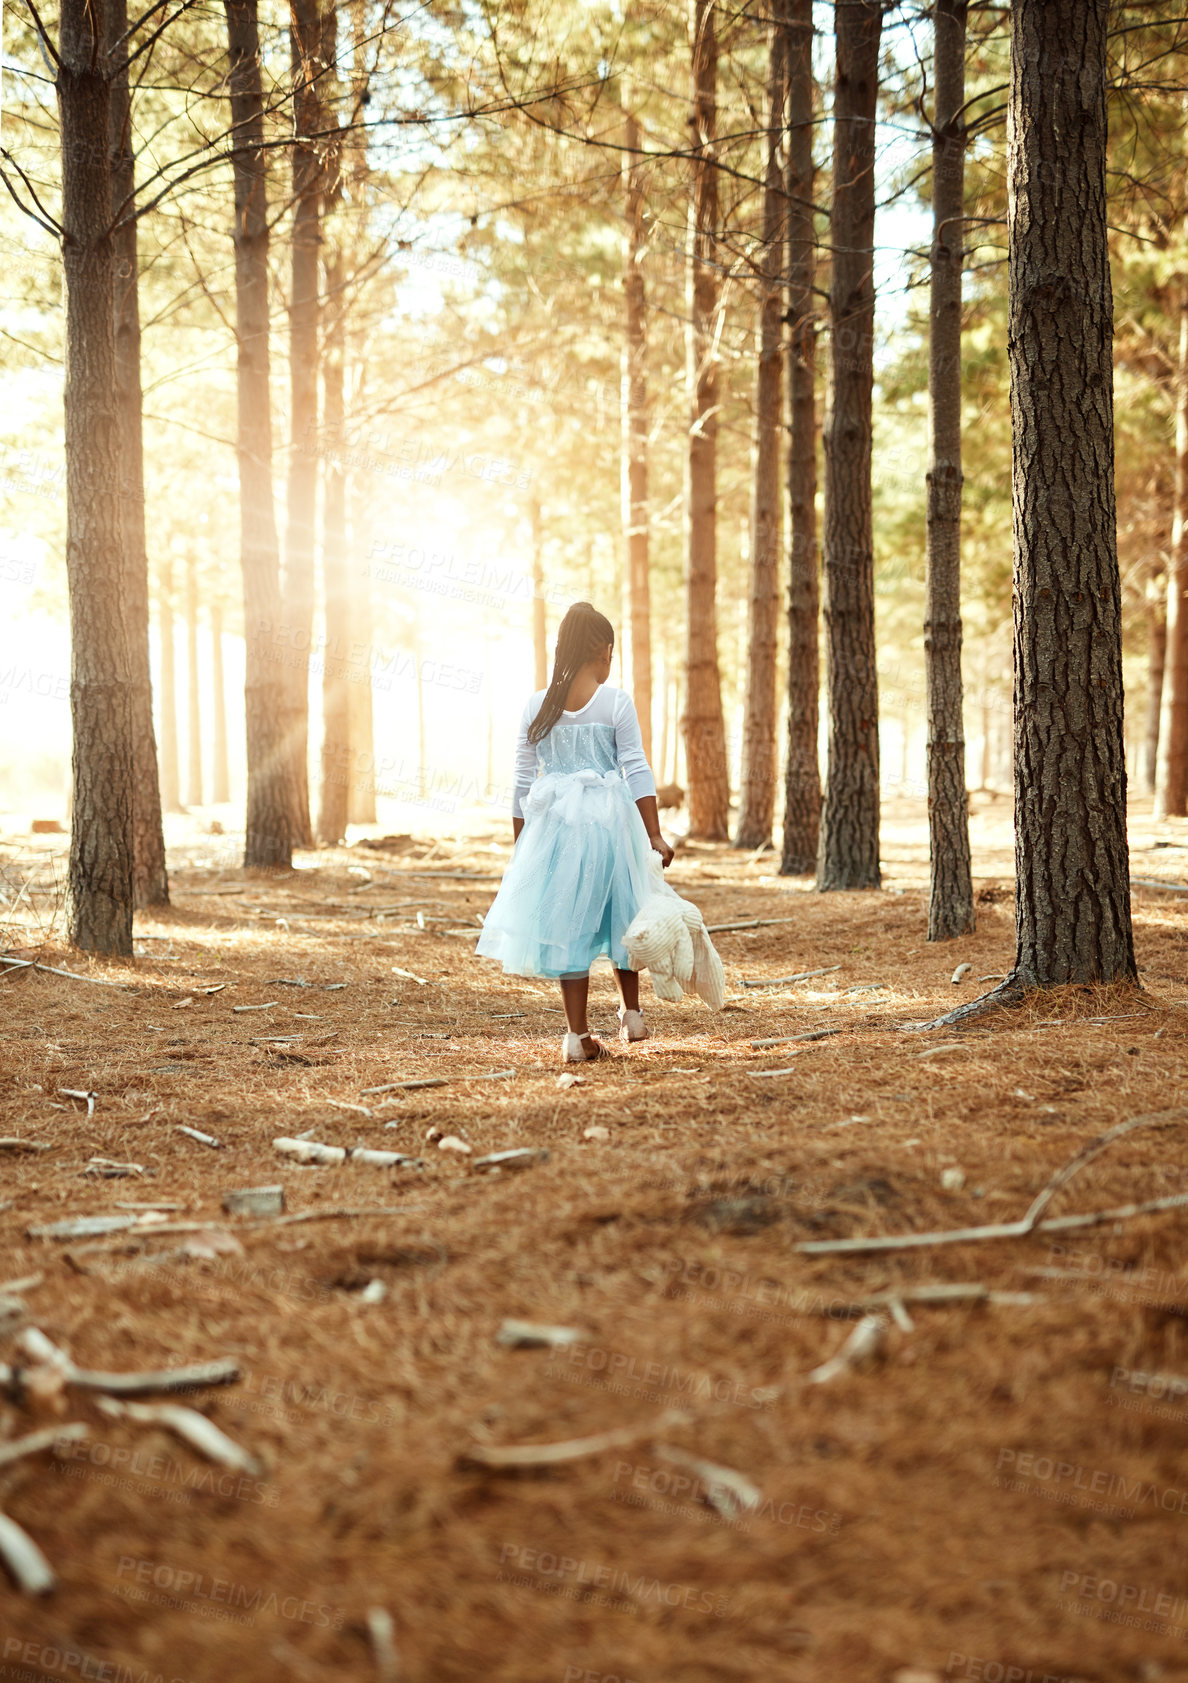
(628, 981)
(574, 995)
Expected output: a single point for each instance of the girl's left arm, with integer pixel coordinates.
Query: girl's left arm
(635, 768)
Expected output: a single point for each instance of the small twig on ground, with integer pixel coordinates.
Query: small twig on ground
(29, 1567)
(189, 1425)
(35, 1344)
(35, 1442)
(801, 976)
(512, 1457)
(865, 1340)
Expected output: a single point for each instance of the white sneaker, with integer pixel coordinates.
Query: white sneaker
(631, 1025)
(573, 1050)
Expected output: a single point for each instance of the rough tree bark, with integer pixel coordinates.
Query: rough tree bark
(802, 770)
(1072, 913)
(193, 693)
(757, 779)
(703, 724)
(635, 434)
(170, 773)
(336, 582)
(305, 48)
(99, 884)
(848, 854)
(950, 894)
(220, 771)
(1156, 658)
(1171, 775)
(271, 798)
(150, 883)
(361, 803)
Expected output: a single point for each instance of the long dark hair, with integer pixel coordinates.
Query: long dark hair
(582, 634)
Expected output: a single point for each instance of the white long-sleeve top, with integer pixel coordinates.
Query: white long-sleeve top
(607, 706)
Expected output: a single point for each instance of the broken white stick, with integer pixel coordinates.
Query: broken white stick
(527, 1335)
(865, 1341)
(382, 1632)
(197, 1134)
(961, 972)
(310, 1151)
(193, 1428)
(78, 1093)
(29, 1567)
(110, 1170)
(35, 1344)
(510, 1457)
(22, 1145)
(34, 1442)
(270, 1006)
(726, 1491)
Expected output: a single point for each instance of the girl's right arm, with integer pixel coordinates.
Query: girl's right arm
(526, 757)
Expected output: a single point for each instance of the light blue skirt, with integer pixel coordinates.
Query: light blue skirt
(577, 877)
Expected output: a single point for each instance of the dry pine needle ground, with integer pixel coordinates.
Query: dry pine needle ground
(1000, 1487)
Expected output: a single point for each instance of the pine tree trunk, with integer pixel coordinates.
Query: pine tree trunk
(703, 724)
(635, 435)
(150, 883)
(99, 884)
(802, 770)
(170, 768)
(950, 897)
(336, 582)
(361, 797)
(305, 46)
(1156, 658)
(1171, 777)
(849, 845)
(540, 641)
(220, 771)
(1073, 895)
(757, 780)
(271, 797)
(193, 710)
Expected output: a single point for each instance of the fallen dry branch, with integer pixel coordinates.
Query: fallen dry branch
(1030, 1222)
(52, 970)
(36, 1345)
(192, 1427)
(801, 976)
(787, 1039)
(34, 1442)
(512, 1457)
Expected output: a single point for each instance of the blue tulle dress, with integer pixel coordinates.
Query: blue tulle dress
(579, 872)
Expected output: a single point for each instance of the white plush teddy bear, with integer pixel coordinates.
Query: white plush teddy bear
(668, 937)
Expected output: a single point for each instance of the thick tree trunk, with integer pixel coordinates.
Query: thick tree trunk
(305, 46)
(220, 771)
(950, 896)
(635, 435)
(849, 845)
(757, 780)
(150, 883)
(1171, 777)
(540, 641)
(99, 888)
(336, 582)
(193, 707)
(802, 770)
(1072, 912)
(170, 768)
(1156, 659)
(271, 797)
(703, 724)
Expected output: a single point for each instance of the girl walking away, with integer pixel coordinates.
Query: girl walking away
(585, 823)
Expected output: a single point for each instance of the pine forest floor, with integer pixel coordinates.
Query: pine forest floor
(997, 1492)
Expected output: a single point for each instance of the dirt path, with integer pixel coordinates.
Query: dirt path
(1000, 1494)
